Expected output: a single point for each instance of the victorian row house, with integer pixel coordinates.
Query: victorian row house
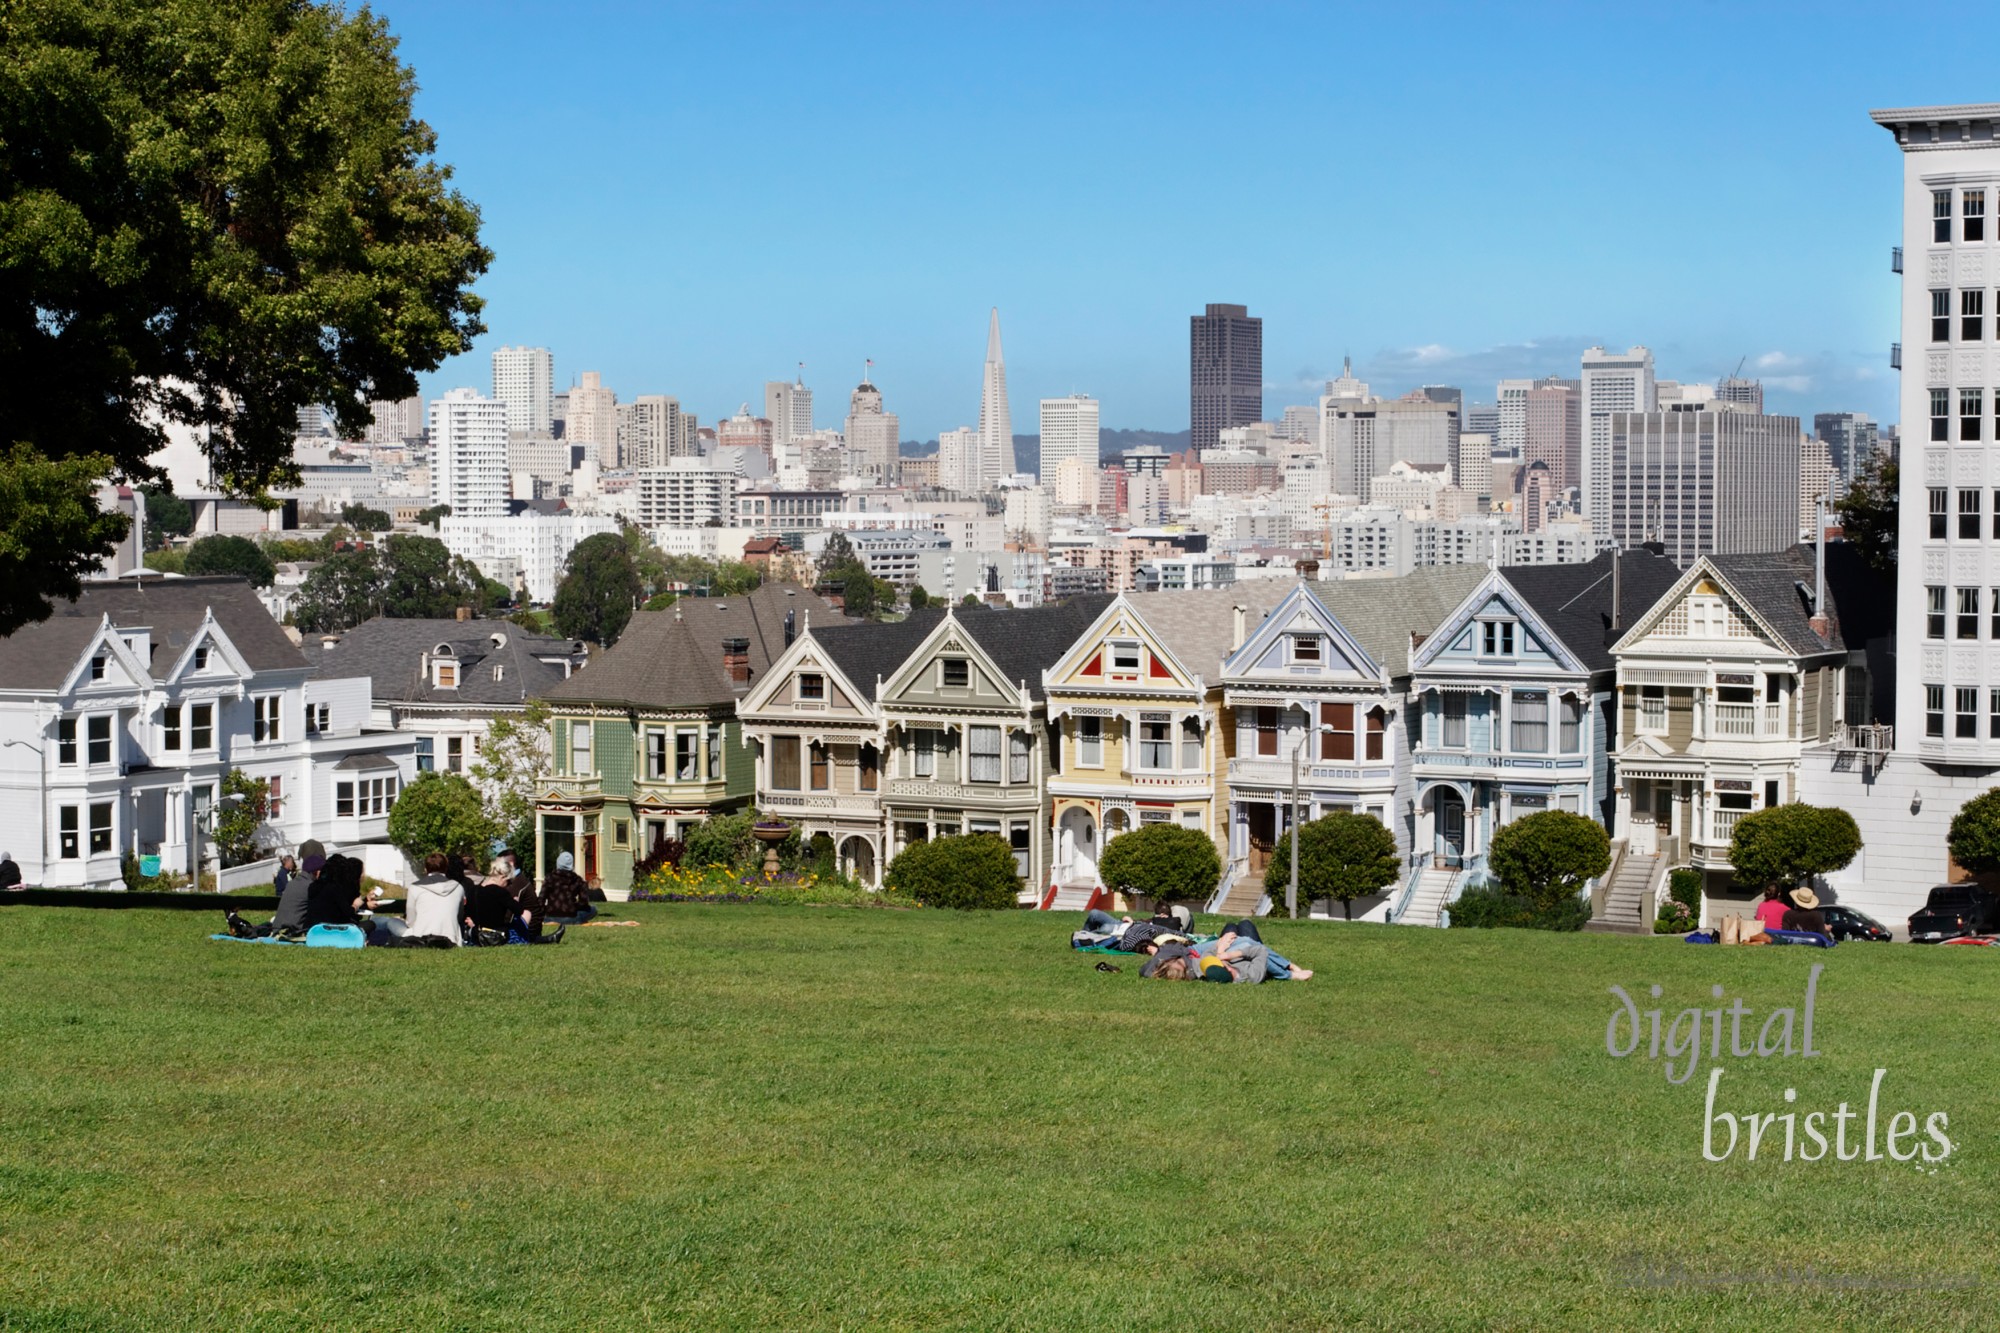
(121, 714)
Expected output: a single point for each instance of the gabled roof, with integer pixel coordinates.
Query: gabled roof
(1198, 626)
(1302, 599)
(866, 653)
(1026, 642)
(391, 654)
(673, 658)
(1383, 613)
(1574, 601)
(41, 656)
(1776, 589)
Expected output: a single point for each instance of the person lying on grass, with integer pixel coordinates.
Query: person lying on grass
(1129, 936)
(1238, 954)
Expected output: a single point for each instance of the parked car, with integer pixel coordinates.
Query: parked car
(1844, 923)
(1955, 910)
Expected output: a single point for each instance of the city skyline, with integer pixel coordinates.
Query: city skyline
(1511, 273)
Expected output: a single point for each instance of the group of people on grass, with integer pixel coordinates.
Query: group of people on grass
(1175, 953)
(450, 904)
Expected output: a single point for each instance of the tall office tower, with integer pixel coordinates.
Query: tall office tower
(1364, 436)
(1946, 552)
(1817, 482)
(789, 407)
(1301, 423)
(1538, 488)
(1511, 396)
(958, 460)
(1723, 482)
(1748, 394)
(1347, 386)
(648, 428)
(1472, 466)
(592, 419)
(393, 422)
(1443, 393)
(1069, 430)
(1554, 431)
(1851, 438)
(1481, 417)
(872, 434)
(1225, 372)
(996, 424)
(1612, 382)
(524, 379)
(469, 454)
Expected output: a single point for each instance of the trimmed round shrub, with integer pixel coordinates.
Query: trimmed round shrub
(1786, 845)
(1164, 862)
(1548, 858)
(1974, 839)
(441, 812)
(1491, 906)
(1342, 855)
(970, 873)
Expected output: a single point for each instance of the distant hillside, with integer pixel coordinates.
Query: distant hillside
(1028, 448)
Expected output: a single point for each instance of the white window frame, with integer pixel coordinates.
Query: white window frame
(1117, 646)
(985, 753)
(1090, 748)
(582, 741)
(1652, 710)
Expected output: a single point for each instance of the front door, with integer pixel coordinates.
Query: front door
(1262, 823)
(1644, 836)
(1450, 828)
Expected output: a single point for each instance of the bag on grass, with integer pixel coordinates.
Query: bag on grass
(336, 937)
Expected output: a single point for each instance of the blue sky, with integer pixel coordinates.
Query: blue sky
(693, 199)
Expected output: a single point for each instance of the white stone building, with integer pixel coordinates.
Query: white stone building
(469, 454)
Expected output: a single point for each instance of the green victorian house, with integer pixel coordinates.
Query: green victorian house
(644, 741)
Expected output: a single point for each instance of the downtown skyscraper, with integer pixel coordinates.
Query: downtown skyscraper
(1225, 372)
(524, 379)
(996, 423)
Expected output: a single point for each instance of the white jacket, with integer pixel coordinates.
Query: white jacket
(433, 907)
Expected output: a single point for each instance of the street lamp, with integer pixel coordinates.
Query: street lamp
(1292, 886)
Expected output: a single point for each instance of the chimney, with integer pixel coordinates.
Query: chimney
(1617, 592)
(1238, 633)
(328, 642)
(836, 593)
(1308, 570)
(464, 613)
(736, 660)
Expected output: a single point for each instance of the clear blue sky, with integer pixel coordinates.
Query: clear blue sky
(693, 199)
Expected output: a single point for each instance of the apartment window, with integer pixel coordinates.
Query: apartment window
(343, 799)
(454, 754)
(447, 675)
(98, 732)
(956, 672)
(1966, 726)
(1940, 316)
(1968, 514)
(264, 718)
(1940, 414)
(1968, 613)
(982, 749)
(1531, 722)
(579, 749)
(1090, 742)
(715, 754)
(812, 687)
(1156, 743)
(1453, 735)
(656, 755)
(1940, 502)
(1996, 494)
(426, 754)
(170, 724)
(201, 658)
(100, 828)
(1305, 648)
(1378, 732)
(1934, 711)
(1971, 409)
(66, 740)
(1993, 715)
(274, 798)
(1653, 709)
(1934, 612)
(1017, 841)
(821, 767)
(1020, 754)
(1497, 638)
(97, 667)
(687, 756)
(1336, 737)
(923, 752)
(1190, 744)
(785, 763)
(1571, 738)
(319, 718)
(868, 768)
(1940, 216)
(1124, 657)
(1972, 315)
(66, 826)
(1974, 213)
(201, 727)
(1266, 720)
(621, 833)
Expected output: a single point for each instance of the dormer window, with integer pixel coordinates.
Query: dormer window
(812, 687)
(957, 672)
(445, 675)
(201, 658)
(1305, 648)
(499, 672)
(97, 667)
(1125, 657)
(1496, 638)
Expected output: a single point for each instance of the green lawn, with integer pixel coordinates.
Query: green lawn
(749, 1117)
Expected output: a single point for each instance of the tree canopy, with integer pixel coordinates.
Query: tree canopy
(1547, 858)
(167, 515)
(1868, 511)
(212, 214)
(230, 555)
(367, 518)
(599, 588)
(441, 812)
(1342, 855)
(1165, 862)
(1787, 845)
(1974, 839)
(406, 578)
(862, 594)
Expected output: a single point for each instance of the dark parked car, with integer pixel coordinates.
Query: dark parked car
(1955, 910)
(1844, 923)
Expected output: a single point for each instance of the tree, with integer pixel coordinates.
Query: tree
(1974, 839)
(440, 812)
(919, 599)
(428, 518)
(238, 822)
(421, 579)
(1342, 855)
(366, 519)
(212, 214)
(862, 594)
(169, 561)
(722, 840)
(231, 555)
(1548, 858)
(167, 515)
(1786, 845)
(516, 749)
(974, 872)
(1164, 862)
(599, 588)
(341, 592)
(733, 578)
(970, 599)
(1868, 512)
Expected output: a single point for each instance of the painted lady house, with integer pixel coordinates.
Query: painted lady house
(1513, 696)
(1315, 695)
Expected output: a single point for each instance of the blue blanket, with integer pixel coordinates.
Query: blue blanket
(1808, 937)
(319, 937)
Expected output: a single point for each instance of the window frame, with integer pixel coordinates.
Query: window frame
(1090, 741)
(687, 754)
(1266, 719)
(1940, 217)
(1118, 646)
(1939, 501)
(787, 762)
(69, 833)
(1496, 638)
(1972, 314)
(1153, 747)
(97, 739)
(985, 755)
(923, 752)
(1934, 712)
(867, 769)
(810, 687)
(1652, 721)
(170, 728)
(1521, 730)
(1940, 417)
(1336, 731)
(582, 749)
(343, 800)
(960, 667)
(66, 750)
(201, 727)
(1020, 756)
(426, 755)
(819, 766)
(454, 754)
(1569, 724)
(1940, 314)
(1450, 720)
(1934, 613)
(1301, 656)
(712, 738)
(1968, 614)
(1972, 215)
(656, 754)
(1965, 713)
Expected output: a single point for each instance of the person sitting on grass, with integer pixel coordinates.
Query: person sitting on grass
(1238, 954)
(565, 898)
(336, 897)
(289, 922)
(10, 873)
(433, 913)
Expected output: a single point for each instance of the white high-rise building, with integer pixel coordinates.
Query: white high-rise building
(592, 418)
(650, 432)
(996, 424)
(1612, 382)
(524, 380)
(469, 454)
(789, 408)
(1512, 400)
(1069, 430)
(958, 460)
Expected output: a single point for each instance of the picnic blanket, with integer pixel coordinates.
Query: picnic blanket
(319, 937)
(1807, 937)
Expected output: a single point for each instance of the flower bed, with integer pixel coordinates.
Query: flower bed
(717, 883)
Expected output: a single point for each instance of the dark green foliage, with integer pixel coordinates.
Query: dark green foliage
(974, 872)
(1684, 887)
(862, 594)
(722, 840)
(1867, 513)
(521, 841)
(212, 213)
(237, 822)
(367, 519)
(1342, 855)
(441, 812)
(344, 590)
(919, 599)
(428, 518)
(406, 578)
(1164, 862)
(167, 515)
(1787, 845)
(1548, 858)
(231, 555)
(599, 588)
(1974, 839)
(1491, 905)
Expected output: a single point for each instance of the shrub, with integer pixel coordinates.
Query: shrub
(665, 854)
(1789, 844)
(1549, 857)
(1675, 918)
(1974, 839)
(237, 822)
(721, 840)
(440, 812)
(1342, 855)
(1491, 906)
(1164, 862)
(1684, 887)
(972, 872)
